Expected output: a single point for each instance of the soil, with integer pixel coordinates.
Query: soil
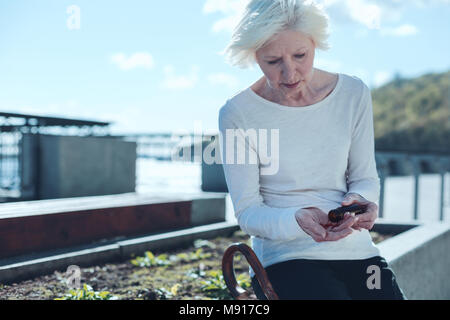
(124, 280)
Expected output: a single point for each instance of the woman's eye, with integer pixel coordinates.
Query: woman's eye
(298, 56)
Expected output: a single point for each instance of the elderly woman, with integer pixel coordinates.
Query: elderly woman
(324, 159)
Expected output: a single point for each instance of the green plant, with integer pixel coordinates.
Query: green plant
(215, 286)
(196, 273)
(192, 256)
(87, 293)
(150, 260)
(204, 243)
(168, 294)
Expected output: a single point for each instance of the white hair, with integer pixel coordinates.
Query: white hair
(262, 19)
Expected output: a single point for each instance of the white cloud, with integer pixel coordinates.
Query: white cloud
(136, 60)
(370, 13)
(401, 31)
(174, 81)
(361, 11)
(364, 12)
(381, 77)
(230, 8)
(373, 14)
(223, 79)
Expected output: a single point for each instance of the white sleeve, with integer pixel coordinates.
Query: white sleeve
(362, 175)
(254, 217)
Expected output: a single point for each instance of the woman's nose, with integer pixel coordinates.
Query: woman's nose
(288, 73)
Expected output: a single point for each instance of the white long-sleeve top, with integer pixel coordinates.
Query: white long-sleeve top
(322, 152)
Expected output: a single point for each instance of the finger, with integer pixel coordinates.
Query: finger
(367, 216)
(322, 217)
(366, 225)
(348, 202)
(317, 238)
(315, 230)
(351, 198)
(348, 222)
(318, 231)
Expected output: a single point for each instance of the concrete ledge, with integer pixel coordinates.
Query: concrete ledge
(201, 211)
(29, 266)
(43, 225)
(393, 227)
(420, 259)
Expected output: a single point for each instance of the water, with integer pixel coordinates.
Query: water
(399, 198)
(155, 177)
(167, 177)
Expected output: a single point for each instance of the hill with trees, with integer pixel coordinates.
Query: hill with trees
(413, 114)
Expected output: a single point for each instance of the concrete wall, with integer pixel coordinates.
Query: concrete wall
(73, 166)
(213, 177)
(420, 259)
(207, 210)
(37, 226)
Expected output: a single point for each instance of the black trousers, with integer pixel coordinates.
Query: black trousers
(304, 279)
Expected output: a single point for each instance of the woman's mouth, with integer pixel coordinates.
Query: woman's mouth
(291, 86)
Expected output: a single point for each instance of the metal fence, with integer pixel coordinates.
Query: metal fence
(164, 146)
(400, 163)
(10, 164)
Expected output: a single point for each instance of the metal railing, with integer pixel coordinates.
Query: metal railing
(10, 169)
(162, 146)
(399, 163)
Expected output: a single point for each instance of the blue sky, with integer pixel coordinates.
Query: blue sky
(151, 66)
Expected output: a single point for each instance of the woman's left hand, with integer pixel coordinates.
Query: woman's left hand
(364, 220)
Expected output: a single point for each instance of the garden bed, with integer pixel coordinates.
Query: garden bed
(190, 273)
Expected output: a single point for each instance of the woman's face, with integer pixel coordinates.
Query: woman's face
(287, 61)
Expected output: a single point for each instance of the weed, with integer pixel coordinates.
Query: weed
(215, 286)
(150, 260)
(168, 294)
(192, 256)
(87, 293)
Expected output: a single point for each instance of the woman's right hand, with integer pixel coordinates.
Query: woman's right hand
(315, 222)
